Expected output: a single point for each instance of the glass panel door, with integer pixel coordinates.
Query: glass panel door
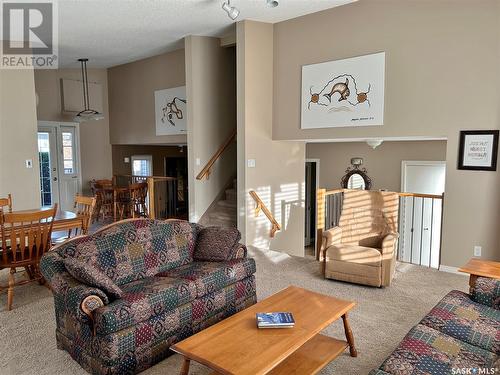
(47, 155)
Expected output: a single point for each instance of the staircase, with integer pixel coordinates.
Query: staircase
(222, 213)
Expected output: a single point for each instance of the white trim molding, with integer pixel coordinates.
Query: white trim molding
(451, 269)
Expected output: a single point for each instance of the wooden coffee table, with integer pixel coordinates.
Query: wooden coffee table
(237, 346)
(478, 267)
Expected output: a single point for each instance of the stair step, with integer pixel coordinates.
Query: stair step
(228, 204)
(231, 195)
(223, 215)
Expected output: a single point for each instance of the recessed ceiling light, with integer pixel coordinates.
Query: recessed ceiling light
(272, 3)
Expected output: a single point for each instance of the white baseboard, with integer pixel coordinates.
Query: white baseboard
(451, 269)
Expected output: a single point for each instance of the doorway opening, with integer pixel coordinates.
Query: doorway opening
(312, 184)
(177, 167)
(420, 218)
(59, 164)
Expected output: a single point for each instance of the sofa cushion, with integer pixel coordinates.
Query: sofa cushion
(458, 316)
(427, 351)
(212, 276)
(487, 292)
(216, 243)
(90, 275)
(143, 299)
(355, 254)
(135, 249)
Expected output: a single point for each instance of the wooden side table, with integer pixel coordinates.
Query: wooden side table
(481, 268)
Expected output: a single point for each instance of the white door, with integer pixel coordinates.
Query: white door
(49, 167)
(420, 218)
(60, 174)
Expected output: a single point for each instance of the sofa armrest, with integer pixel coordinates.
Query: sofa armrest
(79, 300)
(332, 236)
(486, 291)
(389, 243)
(239, 252)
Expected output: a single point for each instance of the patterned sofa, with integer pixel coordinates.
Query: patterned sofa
(461, 335)
(150, 284)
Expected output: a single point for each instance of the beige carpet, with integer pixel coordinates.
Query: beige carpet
(380, 320)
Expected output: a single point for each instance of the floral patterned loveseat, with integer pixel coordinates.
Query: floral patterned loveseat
(146, 285)
(461, 335)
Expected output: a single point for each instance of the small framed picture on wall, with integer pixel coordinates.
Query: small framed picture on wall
(478, 150)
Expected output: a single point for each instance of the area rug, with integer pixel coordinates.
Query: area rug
(379, 321)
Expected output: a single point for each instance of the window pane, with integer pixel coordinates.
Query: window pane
(141, 167)
(67, 139)
(68, 166)
(68, 153)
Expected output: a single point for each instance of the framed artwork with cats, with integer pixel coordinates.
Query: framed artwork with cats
(478, 150)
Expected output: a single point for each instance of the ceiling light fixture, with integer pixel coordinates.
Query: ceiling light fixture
(87, 114)
(232, 12)
(272, 3)
(374, 143)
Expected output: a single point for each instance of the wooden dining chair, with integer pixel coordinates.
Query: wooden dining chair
(6, 202)
(25, 238)
(103, 192)
(137, 205)
(84, 207)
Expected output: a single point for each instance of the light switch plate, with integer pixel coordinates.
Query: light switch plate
(29, 163)
(198, 161)
(477, 251)
(251, 163)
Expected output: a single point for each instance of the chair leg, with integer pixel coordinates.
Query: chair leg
(10, 291)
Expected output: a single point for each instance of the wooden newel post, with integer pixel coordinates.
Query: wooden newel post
(320, 221)
(151, 197)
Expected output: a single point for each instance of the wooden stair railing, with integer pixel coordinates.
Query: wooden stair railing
(205, 172)
(261, 206)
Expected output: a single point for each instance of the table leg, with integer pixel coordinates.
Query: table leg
(185, 366)
(349, 336)
(472, 282)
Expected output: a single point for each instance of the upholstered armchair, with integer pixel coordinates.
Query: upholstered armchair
(362, 249)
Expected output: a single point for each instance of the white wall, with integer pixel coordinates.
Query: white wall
(278, 177)
(211, 118)
(442, 76)
(95, 147)
(18, 139)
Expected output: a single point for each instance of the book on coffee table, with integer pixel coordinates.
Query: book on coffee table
(275, 320)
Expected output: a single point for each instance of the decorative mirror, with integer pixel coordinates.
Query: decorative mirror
(356, 177)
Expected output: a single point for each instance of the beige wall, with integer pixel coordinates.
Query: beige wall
(18, 139)
(442, 75)
(383, 163)
(132, 102)
(159, 153)
(95, 148)
(211, 108)
(278, 177)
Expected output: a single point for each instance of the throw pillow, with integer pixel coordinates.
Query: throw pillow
(215, 244)
(92, 276)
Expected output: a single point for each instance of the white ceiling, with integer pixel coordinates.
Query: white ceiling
(113, 32)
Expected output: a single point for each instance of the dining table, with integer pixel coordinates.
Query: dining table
(63, 221)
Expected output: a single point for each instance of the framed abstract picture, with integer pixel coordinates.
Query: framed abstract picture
(171, 111)
(478, 150)
(344, 93)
